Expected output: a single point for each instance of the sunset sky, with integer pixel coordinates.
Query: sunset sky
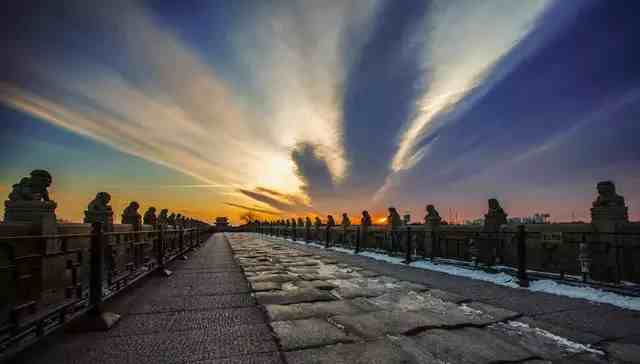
(287, 108)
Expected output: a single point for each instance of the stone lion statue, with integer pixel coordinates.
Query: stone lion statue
(130, 214)
(330, 221)
(431, 212)
(150, 216)
(366, 218)
(307, 222)
(163, 219)
(32, 188)
(346, 222)
(317, 223)
(100, 203)
(394, 218)
(607, 195)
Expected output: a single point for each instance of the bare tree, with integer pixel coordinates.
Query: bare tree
(249, 217)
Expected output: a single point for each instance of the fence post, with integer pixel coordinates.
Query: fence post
(407, 259)
(160, 248)
(434, 243)
(96, 318)
(326, 238)
(357, 250)
(293, 233)
(181, 242)
(523, 279)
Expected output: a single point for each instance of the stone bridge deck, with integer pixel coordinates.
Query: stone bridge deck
(278, 302)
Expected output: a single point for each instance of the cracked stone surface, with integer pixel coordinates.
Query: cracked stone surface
(325, 310)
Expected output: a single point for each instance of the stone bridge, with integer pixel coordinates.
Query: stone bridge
(250, 298)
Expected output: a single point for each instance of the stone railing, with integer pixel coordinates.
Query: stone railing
(52, 273)
(603, 252)
(601, 259)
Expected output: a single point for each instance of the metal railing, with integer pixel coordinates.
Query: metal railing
(607, 260)
(50, 279)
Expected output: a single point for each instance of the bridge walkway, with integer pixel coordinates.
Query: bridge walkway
(203, 313)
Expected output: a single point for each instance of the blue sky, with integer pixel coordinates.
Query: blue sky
(300, 107)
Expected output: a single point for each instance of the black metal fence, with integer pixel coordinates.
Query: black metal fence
(48, 280)
(607, 260)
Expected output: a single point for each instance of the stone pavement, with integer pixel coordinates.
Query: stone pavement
(327, 307)
(203, 313)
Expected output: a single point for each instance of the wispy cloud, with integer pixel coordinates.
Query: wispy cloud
(254, 209)
(463, 41)
(170, 106)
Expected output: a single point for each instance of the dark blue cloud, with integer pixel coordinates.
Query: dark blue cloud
(381, 89)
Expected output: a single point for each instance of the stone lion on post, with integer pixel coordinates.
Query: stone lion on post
(32, 188)
(99, 210)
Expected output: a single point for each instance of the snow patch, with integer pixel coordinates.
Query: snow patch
(571, 346)
(503, 279)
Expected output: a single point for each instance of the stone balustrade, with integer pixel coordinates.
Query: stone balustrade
(602, 252)
(54, 272)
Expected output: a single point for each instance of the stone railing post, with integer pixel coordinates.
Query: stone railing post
(357, 249)
(97, 266)
(160, 253)
(96, 319)
(407, 259)
(523, 279)
(434, 245)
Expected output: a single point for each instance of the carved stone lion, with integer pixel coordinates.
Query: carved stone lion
(163, 219)
(431, 212)
(150, 216)
(394, 218)
(32, 188)
(100, 203)
(346, 222)
(330, 221)
(607, 195)
(366, 218)
(130, 214)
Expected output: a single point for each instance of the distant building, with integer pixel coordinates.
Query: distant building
(479, 221)
(222, 222)
(537, 218)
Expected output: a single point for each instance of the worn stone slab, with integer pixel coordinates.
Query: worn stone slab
(302, 270)
(316, 277)
(369, 273)
(301, 334)
(378, 324)
(293, 296)
(304, 263)
(266, 286)
(373, 352)
(439, 315)
(464, 346)
(447, 296)
(493, 312)
(316, 309)
(317, 284)
(355, 292)
(400, 300)
(280, 278)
